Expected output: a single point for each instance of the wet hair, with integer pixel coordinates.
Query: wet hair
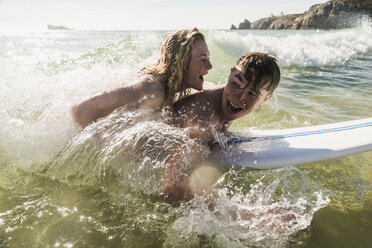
(173, 65)
(260, 68)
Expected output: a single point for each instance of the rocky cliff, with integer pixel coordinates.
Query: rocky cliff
(334, 14)
(51, 27)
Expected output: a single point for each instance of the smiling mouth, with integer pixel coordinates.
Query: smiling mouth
(233, 108)
(201, 77)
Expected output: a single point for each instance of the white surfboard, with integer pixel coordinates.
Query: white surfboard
(279, 148)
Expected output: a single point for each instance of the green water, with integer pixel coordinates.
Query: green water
(41, 212)
(61, 186)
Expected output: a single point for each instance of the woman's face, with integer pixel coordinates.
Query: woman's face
(199, 65)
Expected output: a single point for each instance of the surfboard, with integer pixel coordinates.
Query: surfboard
(268, 149)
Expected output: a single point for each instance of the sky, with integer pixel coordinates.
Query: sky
(141, 14)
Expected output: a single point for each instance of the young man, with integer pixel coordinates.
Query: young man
(251, 82)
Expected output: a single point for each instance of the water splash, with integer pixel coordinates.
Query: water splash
(304, 49)
(259, 209)
(40, 82)
(133, 145)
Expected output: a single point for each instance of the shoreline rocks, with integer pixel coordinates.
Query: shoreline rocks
(334, 14)
(51, 27)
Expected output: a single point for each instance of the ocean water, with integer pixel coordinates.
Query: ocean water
(62, 186)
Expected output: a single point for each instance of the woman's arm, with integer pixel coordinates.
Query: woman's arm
(147, 93)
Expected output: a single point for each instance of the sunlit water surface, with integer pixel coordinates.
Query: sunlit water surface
(62, 186)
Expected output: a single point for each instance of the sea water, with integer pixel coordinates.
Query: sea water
(64, 186)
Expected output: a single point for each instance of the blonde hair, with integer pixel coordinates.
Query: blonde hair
(173, 65)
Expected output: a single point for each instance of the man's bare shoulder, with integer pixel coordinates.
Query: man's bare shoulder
(198, 99)
(199, 107)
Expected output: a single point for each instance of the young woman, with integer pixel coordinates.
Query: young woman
(183, 64)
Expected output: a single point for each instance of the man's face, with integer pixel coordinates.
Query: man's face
(240, 97)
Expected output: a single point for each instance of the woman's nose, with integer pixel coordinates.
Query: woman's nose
(208, 65)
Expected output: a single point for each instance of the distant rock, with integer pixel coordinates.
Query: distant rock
(275, 22)
(233, 27)
(51, 27)
(334, 14)
(245, 25)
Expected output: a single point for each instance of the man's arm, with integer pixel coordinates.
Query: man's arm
(186, 175)
(146, 93)
(179, 183)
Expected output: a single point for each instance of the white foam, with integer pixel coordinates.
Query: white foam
(259, 209)
(43, 75)
(300, 48)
